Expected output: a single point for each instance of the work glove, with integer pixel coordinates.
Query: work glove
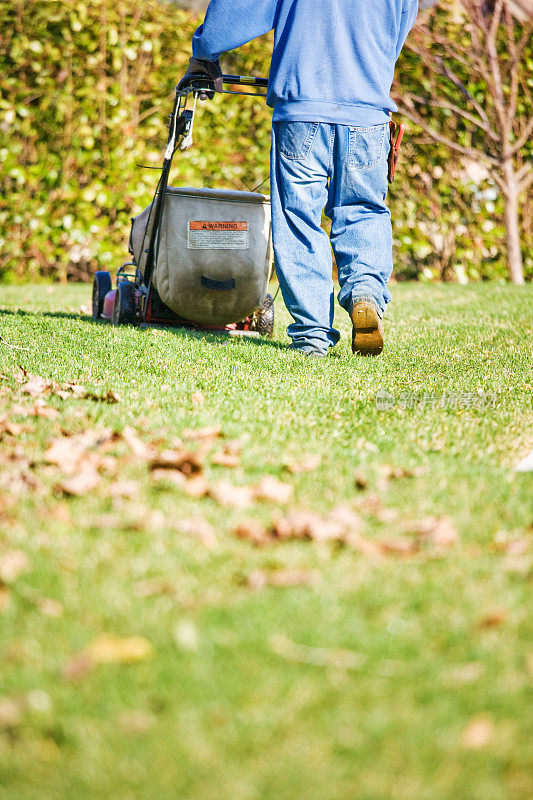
(203, 69)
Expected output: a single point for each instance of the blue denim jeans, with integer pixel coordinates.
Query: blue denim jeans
(342, 169)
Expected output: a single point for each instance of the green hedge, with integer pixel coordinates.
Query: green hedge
(85, 90)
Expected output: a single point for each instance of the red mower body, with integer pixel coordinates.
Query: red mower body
(155, 313)
(107, 311)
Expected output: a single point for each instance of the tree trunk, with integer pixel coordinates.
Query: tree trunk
(512, 225)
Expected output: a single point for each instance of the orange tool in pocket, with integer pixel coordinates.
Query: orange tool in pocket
(395, 144)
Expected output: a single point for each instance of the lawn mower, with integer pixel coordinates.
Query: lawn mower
(200, 258)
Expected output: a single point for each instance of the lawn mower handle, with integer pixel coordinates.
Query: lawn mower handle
(187, 85)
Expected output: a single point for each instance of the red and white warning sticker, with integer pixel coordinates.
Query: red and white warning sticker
(209, 235)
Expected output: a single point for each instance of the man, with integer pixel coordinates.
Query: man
(330, 78)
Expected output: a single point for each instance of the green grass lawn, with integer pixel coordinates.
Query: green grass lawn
(382, 677)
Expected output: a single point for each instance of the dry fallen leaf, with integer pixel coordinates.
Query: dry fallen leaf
(109, 397)
(253, 531)
(396, 473)
(40, 409)
(71, 453)
(437, 531)
(478, 733)
(201, 529)
(60, 513)
(196, 486)
(308, 463)
(65, 453)
(173, 476)
(75, 389)
(360, 480)
(124, 488)
(307, 525)
(271, 489)
(347, 517)
(209, 432)
(234, 446)
(227, 494)
(5, 597)
(14, 428)
(35, 385)
(49, 607)
(511, 546)
(21, 482)
(11, 715)
(492, 618)
(399, 546)
(520, 565)
(13, 564)
(257, 579)
(110, 649)
(387, 516)
(139, 449)
(84, 482)
(223, 459)
(367, 547)
(181, 459)
(369, 504)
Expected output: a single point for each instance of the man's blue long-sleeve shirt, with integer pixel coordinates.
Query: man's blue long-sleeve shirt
(333, 60)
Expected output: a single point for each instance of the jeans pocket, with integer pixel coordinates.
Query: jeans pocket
(366, 148)
(294, 139)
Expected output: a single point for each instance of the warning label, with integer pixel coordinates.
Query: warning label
(204, 235)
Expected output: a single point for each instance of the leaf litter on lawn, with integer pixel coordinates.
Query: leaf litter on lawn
(308, 463)
(82, 459)
(344, 526)
(37, 386)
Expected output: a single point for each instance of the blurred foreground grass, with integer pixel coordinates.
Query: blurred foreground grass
(401, 677)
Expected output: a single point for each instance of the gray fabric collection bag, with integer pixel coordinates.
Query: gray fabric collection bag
(214, 253)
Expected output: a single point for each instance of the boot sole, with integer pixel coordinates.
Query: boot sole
(367, 334)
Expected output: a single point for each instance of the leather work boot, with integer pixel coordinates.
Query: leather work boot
(367, 333)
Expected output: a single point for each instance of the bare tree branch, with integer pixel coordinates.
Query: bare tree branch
(456, 51)
(525, 177)
(456, 78)
(513, 71)
(436, 103)
(410, 111)
(448, 73)
(496, 18)
(528, 130)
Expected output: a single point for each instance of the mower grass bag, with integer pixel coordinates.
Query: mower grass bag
(213, 253)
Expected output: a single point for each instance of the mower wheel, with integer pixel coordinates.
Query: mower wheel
(124, 306)
(101, 286)
(265, 317)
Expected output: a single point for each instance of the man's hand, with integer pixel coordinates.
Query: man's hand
(203, 69)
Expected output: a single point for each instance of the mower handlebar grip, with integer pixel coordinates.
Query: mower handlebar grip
(228, 80)
(241, 80)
